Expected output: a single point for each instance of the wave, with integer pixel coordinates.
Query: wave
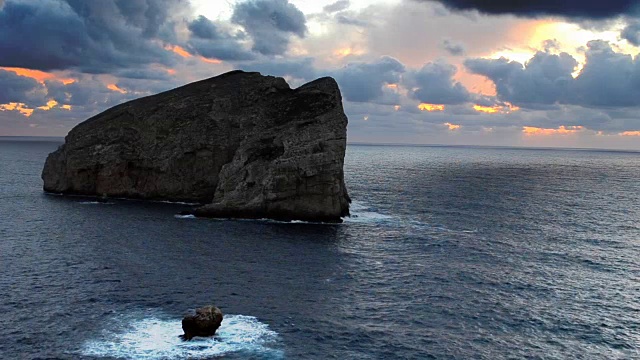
(154, 338)
(362, 213)
(122, 199)
(95, 203)
(178, 216)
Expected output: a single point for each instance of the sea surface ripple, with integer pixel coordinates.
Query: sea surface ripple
(451, 253)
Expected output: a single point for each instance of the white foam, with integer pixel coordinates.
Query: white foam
(361, 213)
(174, 202)
(153, 338)
(178, 216)
(95, 203)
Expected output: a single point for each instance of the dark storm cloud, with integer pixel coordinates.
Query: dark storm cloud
(207, 40)
(453, 48)
(546, 79)
(337, 6)
(362, 82)
(631, 33)
(19, 89)
(90, 36)
(607, 80)
(144, 73)
(434, 84)
(203, 28)
(270, 23)
(591, 9)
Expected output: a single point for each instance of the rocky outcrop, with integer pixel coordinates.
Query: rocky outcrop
(246, 145)
(204, 323)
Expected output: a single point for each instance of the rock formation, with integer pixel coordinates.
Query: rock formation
(246, 145)
(204, 323)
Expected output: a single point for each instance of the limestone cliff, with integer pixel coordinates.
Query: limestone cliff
(246, 145)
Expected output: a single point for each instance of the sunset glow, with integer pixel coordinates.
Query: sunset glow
(114, 87)
(630, 133)
(431, 107)
(396, 64)
(38, 75)
(562, 130)
(452, 127)
(343, 52)
(507, 108)
(20, 107)
(50, 105)
(178, 50)
(487, 109)
(210, 61)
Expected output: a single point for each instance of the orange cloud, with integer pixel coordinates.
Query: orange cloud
(178, 50)
(343, 52)
(210, 61)
(50, 105)
(21, 107)
(431, 107)
(452, 127)
(39, 76)
(185, 54)
(347, 51)
(477, 84)
(487, 109)
(630, 133)
(562, 130)
(505, 109)
(114, 87)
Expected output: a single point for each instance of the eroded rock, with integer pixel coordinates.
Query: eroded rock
(204, 323)
(246, 145)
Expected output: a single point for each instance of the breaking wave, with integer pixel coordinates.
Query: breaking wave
(155, 338)
(362, 213)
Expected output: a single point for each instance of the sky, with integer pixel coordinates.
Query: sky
(542, 73)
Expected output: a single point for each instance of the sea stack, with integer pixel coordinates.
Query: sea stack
(242, 144)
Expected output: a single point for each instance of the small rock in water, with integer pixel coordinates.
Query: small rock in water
(204, 323)
(103, 199)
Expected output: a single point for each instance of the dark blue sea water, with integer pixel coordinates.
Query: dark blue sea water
(452, 253)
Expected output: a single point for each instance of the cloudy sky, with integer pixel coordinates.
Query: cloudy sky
(475, 72)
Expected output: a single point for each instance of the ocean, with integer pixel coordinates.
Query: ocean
(451, 253)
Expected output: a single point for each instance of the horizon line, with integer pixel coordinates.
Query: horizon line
(364, 143)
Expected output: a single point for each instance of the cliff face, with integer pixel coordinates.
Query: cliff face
(247, 145)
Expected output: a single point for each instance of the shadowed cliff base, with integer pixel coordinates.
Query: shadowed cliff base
(245, 144)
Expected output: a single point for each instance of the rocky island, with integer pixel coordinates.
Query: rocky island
(241, 144)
